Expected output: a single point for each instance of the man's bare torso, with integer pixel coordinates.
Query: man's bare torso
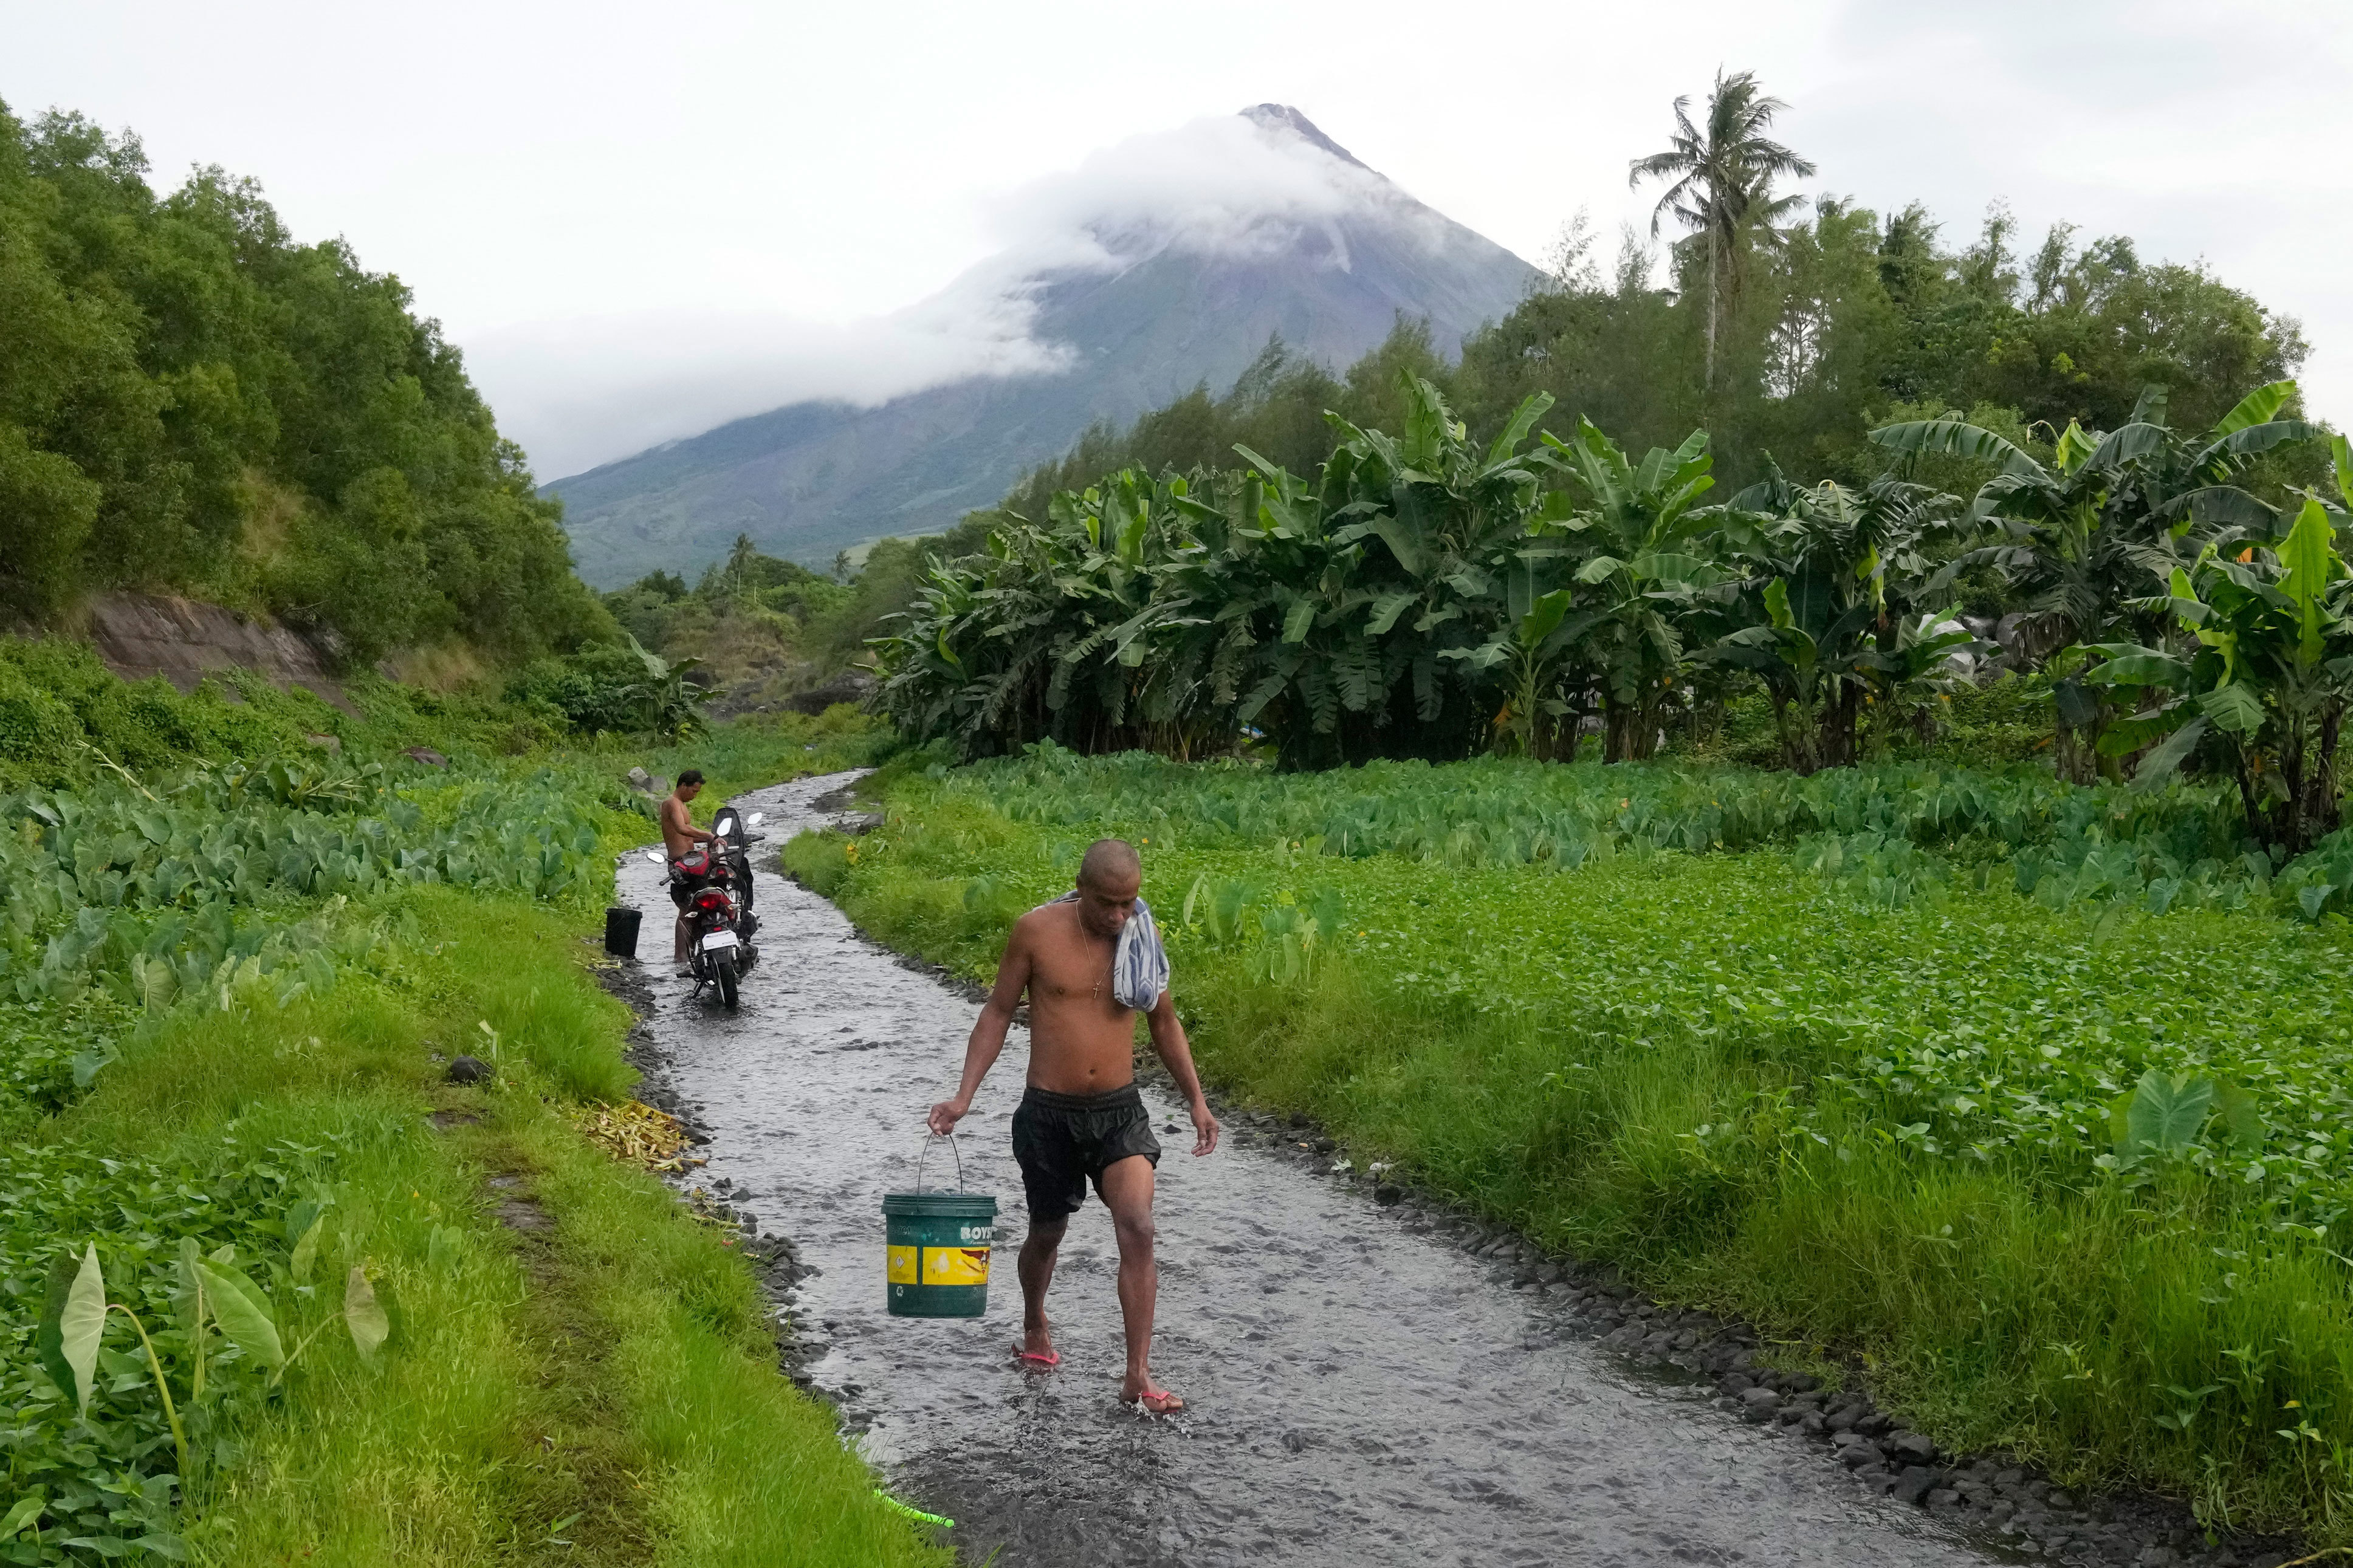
(1082, 1041)
(677, 826)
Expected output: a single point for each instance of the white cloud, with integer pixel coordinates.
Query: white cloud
(1223, 185)
(587, 390)
(582, 392)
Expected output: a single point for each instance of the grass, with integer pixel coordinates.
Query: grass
(1882, 1133)
(614, 1374)
(591, 1377)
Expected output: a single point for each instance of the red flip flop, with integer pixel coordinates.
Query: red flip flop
(1158, 1402)
(1034, 1359)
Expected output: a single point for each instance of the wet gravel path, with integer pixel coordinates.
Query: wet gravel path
(1362, 1390)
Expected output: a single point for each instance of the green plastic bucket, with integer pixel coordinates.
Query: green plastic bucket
(936, 1250)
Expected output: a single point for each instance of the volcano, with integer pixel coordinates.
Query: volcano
(1246, 229)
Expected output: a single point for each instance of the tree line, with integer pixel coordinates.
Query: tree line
(1424, 594)
(191, 401)
(1825, 318)
(2063, 448)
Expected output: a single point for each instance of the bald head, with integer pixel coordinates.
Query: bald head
(1111, 865)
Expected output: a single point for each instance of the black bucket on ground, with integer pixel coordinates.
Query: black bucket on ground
(621, 931)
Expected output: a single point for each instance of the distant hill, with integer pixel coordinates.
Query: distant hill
(1174, 311)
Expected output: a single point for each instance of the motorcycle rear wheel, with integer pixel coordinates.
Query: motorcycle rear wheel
(722, 969)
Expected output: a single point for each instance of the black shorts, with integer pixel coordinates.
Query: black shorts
(1064, 1140)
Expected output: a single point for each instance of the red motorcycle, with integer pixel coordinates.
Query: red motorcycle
(708, 884)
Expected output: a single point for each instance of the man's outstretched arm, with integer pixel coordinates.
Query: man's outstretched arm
(980, 1053)
(1176, 1054)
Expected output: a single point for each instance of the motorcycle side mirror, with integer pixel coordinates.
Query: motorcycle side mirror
(758, 817)
(719, 831)
(654, 855)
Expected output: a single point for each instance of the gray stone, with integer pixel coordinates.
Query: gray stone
(1910, 1445)
(1943, 1496)
(470, 1069)
(1860, 1455)
(1736, 1382)
(1761, 1403)
(1389, 1196)
(2001, 1510)
(1912, 1484)
(427, 755)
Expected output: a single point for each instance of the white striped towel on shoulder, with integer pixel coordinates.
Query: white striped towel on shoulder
(1139, 967)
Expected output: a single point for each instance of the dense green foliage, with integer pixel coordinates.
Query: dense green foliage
(220, 974)
(765, 628)
(1424, 595)
(2069, 1174)
(191, 401)
(64, 717)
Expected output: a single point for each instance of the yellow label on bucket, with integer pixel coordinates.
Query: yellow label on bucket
(903, 1265)
(952, 1265)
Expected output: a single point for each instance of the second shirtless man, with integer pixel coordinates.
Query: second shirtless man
(1082, 1117)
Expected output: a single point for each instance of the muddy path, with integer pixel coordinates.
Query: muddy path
(1363, 1390)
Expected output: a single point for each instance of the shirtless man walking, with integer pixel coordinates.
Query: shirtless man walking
(1082, 1117)
(679, 836)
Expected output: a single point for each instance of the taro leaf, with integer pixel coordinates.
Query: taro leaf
(244, 1315)
(72, 1320)
(2240, 1115)
(2165, 1113)
(104, 1545)
(306, 1251)
(170, 1546)
(28, 1508)
(2314, 899)
(365, 1315)
(187, 1296)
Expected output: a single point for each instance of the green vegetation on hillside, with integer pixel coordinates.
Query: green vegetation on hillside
(765, 628)
(192, 401)
(1903, 1064)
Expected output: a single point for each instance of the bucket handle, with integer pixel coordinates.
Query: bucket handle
(949, 1138)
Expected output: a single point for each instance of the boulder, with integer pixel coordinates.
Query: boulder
(427, 755)
(470, 1069)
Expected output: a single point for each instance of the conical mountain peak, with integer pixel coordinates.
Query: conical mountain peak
(1283, 117)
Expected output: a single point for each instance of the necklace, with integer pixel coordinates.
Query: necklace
(1097, 993)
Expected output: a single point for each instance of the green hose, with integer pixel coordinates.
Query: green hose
(914, 1513)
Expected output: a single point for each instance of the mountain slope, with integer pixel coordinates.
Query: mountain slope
(1150, 307)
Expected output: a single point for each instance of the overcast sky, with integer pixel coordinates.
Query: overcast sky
(641, 220)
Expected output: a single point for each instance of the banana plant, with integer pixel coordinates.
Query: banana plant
(1645, 557)
(1837, 575)
(664, 698)
(2075, 536)
(2263, 675)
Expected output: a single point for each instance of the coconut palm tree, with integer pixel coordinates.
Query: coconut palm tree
(1719, 176)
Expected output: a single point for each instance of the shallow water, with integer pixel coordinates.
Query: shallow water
(1361, 1391)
